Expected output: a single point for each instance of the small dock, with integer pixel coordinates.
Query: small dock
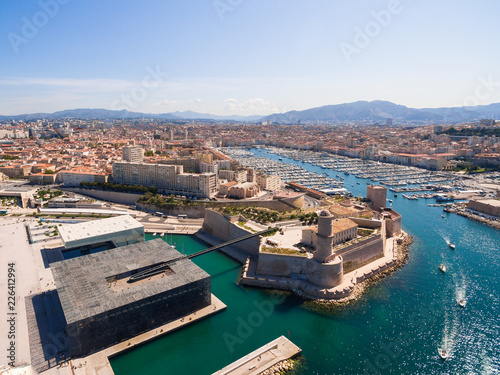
(263, 358)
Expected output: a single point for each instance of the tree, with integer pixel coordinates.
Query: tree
(10, 157)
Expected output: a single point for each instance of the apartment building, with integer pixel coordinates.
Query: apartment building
(133, 154)
(239, 175)
(169, 179)
(269, 183)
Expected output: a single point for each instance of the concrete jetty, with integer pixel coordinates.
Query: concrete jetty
(263, 358)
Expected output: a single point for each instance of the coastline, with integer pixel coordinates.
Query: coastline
(472, 216)
(402, 255)
(359, 289)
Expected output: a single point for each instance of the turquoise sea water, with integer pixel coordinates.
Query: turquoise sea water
(395, 328)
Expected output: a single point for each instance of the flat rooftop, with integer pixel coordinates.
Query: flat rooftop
(84, 291)
(81, 231)
(491, 202)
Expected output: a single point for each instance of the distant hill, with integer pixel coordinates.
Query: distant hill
(89, 113)
(101, 114)
(361, 111)
(379, 111)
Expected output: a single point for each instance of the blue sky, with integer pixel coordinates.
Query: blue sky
(245, 56)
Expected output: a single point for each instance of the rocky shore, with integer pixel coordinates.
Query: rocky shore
(279, 368)
(461, 211)
(402, 258)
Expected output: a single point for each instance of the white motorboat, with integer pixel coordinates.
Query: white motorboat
(443, 353)
(442, 268)
(462, 303)
(452, 246)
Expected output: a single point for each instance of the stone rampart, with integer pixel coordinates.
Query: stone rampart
(362, 253)
(218, 225)
(280, 264)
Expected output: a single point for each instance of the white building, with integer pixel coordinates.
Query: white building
(169, 179)
(122, 230)
(133, 154)
(269, 183)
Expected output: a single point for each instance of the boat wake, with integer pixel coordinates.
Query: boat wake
(461, 288)
(449, 333)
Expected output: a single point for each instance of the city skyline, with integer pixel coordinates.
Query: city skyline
(245, 58)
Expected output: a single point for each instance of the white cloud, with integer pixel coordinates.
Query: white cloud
(250, 106)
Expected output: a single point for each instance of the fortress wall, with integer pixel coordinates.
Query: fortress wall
(216, 225)
(251, 245)
(326, 275)
(394, 226)
(360, 255)
(298, 201)
(279, 264)
(219, 226)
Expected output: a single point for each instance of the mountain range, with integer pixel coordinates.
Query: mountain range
(357, 112)
(379, 111)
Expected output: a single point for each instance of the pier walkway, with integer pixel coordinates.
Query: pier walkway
(263, 358)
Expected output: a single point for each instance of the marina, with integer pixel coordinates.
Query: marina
(334, 169)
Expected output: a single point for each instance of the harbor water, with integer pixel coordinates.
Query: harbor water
(396, 327)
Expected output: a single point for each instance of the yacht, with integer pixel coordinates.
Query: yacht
(443, 353)
(442, 268)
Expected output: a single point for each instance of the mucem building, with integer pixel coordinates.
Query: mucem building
(117, 294)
